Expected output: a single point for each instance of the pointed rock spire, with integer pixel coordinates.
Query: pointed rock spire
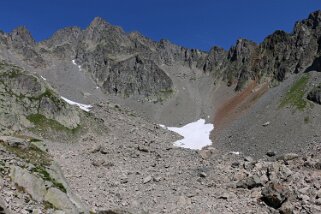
(22, 35)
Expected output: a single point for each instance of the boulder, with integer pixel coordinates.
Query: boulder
(275, 194)
(288, 156)
(249, 182)
(60, 200)
(30, 183)
(315, 95)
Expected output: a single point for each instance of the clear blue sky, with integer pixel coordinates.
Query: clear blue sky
(191, 23)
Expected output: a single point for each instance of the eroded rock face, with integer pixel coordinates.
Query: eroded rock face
(279, 55)
(31, 184)
(137, 76)
(23, 94)
(102, 48)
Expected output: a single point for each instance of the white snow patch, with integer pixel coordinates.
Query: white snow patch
(74, 62)
(235, 153)
(97, 87)
(163, 126)
(196, 134)
(43, 78)
(80, 105)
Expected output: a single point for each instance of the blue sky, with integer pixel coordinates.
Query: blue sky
(191, 23)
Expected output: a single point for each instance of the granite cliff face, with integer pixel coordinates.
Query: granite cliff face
(113, 57)
(122, 64)
(278, 56)
(26, 99)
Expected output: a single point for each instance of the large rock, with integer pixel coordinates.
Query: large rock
(60, 200)
(315, 95)
(275, 194)
(249, 182)
(30, 183)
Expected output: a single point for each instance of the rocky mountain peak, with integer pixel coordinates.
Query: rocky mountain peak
(63, 36)
(99, 22)
(243, 48)
(315, 18)
(22, 35)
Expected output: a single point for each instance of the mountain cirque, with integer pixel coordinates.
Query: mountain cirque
(263, 99)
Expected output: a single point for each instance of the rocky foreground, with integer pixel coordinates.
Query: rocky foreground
(152, 178)
(134, 168)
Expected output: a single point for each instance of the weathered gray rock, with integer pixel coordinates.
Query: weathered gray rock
(288, 156)
(30, 183)
(249, 182)
(24, 95)
(60, 200)
(275, 194)
(315, 95)
(147, 179)
(15, 142)
(270, 153)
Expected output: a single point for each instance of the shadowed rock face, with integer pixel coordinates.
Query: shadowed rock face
(110, 56)
(136, 76)
(315, 95)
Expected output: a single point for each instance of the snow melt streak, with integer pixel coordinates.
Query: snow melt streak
(196, 134)
(81, 106)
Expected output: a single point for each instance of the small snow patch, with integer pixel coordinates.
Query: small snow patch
(163, 126)
(196, 134)
(235, 153)
(74, 62)
(80, 105)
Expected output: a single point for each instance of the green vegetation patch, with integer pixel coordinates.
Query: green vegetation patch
(46, 176)
(45, 124)
(32, 155)
(295, 96)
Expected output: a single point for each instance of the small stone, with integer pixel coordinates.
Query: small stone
(249, 182)
(318, 201)
(203, 175)
(142, 148)
(305, 199)
(249, 165)
(205, 153)
(270, 153)
(103, 150)
(124, 180)
(248, 159)
(97, 163)
(157, 179)
(287, 208)
(266, 124)
(235, 164)
(224, 196)
(147, 179)
(96, 149)
(288, 156)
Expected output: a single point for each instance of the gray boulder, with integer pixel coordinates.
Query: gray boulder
(30, 183)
